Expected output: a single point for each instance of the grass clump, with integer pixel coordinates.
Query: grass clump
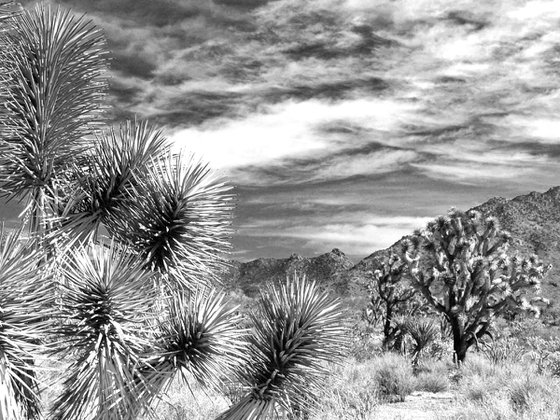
(349, 394)
(393, 377)
(432, 382)
(432, 376)
(530, 391)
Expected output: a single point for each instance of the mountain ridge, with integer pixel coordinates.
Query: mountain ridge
(532, 219)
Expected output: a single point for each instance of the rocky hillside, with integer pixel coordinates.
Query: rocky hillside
(534, 223)
(328, 269)
(532, 219)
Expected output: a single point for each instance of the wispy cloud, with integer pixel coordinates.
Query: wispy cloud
(295, 130)
(357, 238)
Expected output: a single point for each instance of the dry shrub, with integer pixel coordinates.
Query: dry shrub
(432, 382)
(529, 391)
(432, 376)
(351, 393)
(393, 377)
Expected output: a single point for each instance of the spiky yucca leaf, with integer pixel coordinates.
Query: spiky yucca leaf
(105, 300)
(6, 11)
(105, 176)
(297, 329)
(25, 297)
(423, 331)
(199, 337)
(54, 82)
(179, 220)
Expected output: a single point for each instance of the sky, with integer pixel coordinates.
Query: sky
(344, 123)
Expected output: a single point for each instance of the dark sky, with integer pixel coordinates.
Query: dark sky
(345, 123)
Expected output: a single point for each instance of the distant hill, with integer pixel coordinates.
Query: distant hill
(328, 269)
(533, 221)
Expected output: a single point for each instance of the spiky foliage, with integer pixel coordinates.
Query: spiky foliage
(6, 11)
(105, 299)
(423, 331)
(100, 191)
(391, 295)
(174, 217)
(297, 329)
(179, 220)
(7, 14)
(461, 265)
(25, 296)
(53, 79)
(170, 209)
(197, 337)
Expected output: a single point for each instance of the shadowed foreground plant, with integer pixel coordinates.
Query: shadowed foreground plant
(105, 300)
(297, 329)
(25, 295)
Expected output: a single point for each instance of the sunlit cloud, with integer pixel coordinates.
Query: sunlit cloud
(358, 238)
(290, 130)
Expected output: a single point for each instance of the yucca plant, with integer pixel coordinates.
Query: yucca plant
(297, 329)
(53, 75)
(5, 10)
(198, 336)
(102, 178)
(25, 301)
(133, 310)
(423, 332)
(178, 221)
(105, 300)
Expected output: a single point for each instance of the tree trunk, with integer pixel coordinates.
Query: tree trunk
(460, 345)
(387, 330)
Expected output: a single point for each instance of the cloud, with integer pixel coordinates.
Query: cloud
(289, 130)
(354, 238)
(346, 107)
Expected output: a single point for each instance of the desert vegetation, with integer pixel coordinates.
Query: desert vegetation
(111, 299)
(112, 277)
(512, 376)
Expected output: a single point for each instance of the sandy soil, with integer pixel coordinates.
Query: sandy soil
(417, 406)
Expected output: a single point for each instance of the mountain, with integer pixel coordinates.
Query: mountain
(533, 221)
(327, 269)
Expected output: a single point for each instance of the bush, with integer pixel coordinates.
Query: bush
(393, 377)
(475, 389)
(478, 378)
(432, 382)
(365, 344)
(545, 354)
(432, 376)
(351, 393)
(503, 349)
(529, 391)
(479, 365)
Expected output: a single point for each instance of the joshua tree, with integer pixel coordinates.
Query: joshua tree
(461, 264)
(392, 299)
(128, 236)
